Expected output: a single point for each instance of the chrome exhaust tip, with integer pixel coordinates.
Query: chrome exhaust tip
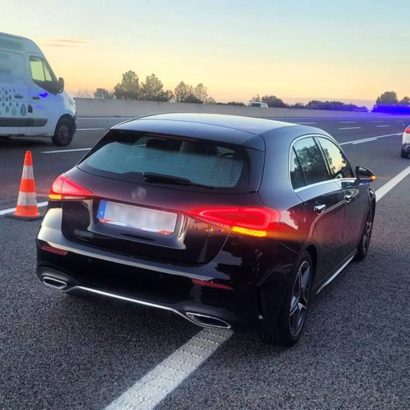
(207, 321)
(54, 283)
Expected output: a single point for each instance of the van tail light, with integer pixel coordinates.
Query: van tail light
(407, 130)
(252, 221)
(64, 188)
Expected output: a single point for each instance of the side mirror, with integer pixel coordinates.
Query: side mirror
(60, 85)
(364, 174)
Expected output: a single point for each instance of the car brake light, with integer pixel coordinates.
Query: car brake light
(253, 221)
(407, 130)
(64, 188)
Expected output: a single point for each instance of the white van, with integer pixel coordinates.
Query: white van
(32, 100)
(258, 104)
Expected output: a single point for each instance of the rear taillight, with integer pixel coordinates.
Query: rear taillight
(64, 188)
(253, 221)
(407, 130)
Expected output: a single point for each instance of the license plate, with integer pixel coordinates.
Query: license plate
(136, 217)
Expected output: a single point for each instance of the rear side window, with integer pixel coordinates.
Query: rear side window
(296, 173)
(128, 156)
(311, 160)
(338, 164)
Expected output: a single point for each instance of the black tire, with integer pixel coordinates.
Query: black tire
(404, 154)
(363, 247)
(292, 318)
(64, 132)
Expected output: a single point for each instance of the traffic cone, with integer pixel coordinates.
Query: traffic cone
(27, 200)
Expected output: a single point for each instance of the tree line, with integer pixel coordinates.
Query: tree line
(273, 101)
(152, 89)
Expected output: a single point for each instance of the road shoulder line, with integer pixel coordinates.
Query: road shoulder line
(164, 378)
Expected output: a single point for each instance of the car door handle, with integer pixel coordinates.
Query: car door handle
(348, 198)
(319, 208)
(18, 96)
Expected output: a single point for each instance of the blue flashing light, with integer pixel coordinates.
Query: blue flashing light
(392, 109)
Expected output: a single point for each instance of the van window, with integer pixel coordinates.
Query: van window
(12, 68)
(40, 70)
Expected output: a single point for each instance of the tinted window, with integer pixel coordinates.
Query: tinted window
(296, 174)
(311, 160)
(128, 156)
(338, 164)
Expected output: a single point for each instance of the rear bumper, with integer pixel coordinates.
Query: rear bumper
(230, 292)
(205, 306)
(190, 311)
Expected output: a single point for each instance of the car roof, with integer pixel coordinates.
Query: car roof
(246, 131)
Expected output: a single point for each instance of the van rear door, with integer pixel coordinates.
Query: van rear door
(15, 113)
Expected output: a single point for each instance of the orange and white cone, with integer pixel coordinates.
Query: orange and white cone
(27, 199)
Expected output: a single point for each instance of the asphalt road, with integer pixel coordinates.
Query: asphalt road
(60, 352)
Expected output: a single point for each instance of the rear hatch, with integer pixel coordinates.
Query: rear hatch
(143, 194)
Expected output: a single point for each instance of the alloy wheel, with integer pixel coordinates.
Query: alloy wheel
(368, 227)
(300, 298)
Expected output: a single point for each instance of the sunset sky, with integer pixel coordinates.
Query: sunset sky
(293, 49)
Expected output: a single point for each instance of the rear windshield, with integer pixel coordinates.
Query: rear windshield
(130, 156)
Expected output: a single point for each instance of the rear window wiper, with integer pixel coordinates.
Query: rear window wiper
(170, 179)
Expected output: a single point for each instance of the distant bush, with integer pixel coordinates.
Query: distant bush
(334, 105)
(239, 104)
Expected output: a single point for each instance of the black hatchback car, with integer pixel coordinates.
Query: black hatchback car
(229, 222)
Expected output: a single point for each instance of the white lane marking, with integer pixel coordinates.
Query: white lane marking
(152, 388)
(388, 186)
(378, 121)
(349, 128)
(90, 129)
(364, 141)
(354, 142)
(347, 122)
(163, 379)
(11, 210)
(382, 126)
(59, 151)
